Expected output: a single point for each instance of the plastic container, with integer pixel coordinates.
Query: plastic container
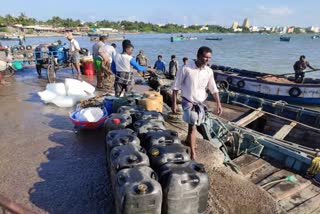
(162, 154)
(88, 125)
(152, 104)
(112, 103)
(147, 115)
(17, 65)
(130, 110)
(117, 121)
(121, 138)
(137, 191)
(142, 127)
(88, 68)
(185, 188)
(163, 138)
(126, 156)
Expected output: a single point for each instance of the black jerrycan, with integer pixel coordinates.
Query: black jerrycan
(127, 156)
(162, 154)
(162, 137)
(117, 121)
(185, 188)
(142, 127)
(147, 115)
(137, 191)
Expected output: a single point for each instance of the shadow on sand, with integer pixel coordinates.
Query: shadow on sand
(74, 178)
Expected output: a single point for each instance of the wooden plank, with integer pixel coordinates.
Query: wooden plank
(286, 189)
(251, 168)
(310, 206)
(263, 172)
(284, 131)
(316, 211)
(300, 197)
(250, 118)
(244, 160)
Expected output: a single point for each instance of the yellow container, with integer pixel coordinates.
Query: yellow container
(153, 94)
(152, 103)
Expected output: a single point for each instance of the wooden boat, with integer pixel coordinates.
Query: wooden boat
(10, 38)
(285, 38)
(181, 38)
(315, 37)
(269, 86)
(261, 147)
(109, 38)
(214, 38)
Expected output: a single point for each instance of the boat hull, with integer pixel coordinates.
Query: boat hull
(306, 93)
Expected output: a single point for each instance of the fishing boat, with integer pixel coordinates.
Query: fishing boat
(315, 37)
(261, 146)
(275, 87)
(10, 38)
(108, 39)
(214, 38)
(285, 38)
(182, 38)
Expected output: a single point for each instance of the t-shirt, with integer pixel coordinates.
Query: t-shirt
(111, 52)
(123, 63)
(96, 48)
(193, 82)
(173, 67)
(74, 45)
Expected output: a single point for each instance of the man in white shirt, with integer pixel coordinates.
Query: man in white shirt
(74, 53)
(193, 80)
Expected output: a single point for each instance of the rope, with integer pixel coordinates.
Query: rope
(315, 166)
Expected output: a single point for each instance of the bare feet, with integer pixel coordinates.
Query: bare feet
(79, 77)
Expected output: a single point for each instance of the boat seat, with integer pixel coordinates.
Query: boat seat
(284, 131)
(250, 117)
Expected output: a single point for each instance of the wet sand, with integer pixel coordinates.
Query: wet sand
(44, 165)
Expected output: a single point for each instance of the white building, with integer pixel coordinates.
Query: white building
(204, 28)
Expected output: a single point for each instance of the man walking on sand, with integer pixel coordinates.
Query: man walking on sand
(193, 79)
(74, 53)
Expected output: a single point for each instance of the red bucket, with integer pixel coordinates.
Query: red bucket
(88, 68)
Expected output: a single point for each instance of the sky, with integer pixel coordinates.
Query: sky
(223, 12)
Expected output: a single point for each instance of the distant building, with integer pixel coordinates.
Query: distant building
(313, 29)
(254, 29)
(204, 28)
(302, 30)
(290, 30)
(235, 25)
(246, 23)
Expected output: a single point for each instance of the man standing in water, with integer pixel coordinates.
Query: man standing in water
(74, 53)
(299, 67)
(193, 80)
(122, 65)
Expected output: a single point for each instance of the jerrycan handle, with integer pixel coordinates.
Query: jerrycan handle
(195, 180)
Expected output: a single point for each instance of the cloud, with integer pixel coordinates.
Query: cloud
(274, 11)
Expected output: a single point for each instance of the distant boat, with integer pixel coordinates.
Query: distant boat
(214, 38)
(285, 38)
(315, 37)
(97, 34)
(108, 39)
(15, 38)
(181, 38)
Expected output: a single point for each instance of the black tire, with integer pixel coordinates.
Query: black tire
(241, 84)
(28, 47)
(223, 85)
(22, 48)
(229, 80)
(295, 92)
(51, 73)
(15, 48)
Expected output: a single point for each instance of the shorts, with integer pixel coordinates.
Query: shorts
(75, 59)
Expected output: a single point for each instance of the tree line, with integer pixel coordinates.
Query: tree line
(56, 21)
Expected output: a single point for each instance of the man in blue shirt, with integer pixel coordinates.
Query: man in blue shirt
(159, 65)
